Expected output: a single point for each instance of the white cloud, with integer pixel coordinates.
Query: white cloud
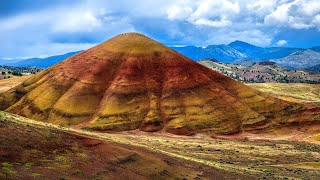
(279, 16)
(281, 42)
(260, 8)
(178, 13)
(225, 36)
(77, 21)
(216, 13)
(297, 14)
(309, 7)
(316, 20)
(19, 21)
(32, 34)
(217, 23)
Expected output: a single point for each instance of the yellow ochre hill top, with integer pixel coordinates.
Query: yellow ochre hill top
(133, 43)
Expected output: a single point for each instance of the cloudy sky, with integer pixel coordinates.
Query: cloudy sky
(39, 28)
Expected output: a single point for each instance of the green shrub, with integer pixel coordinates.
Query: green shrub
(34, 175)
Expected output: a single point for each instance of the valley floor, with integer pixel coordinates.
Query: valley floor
(294, 92)
(198, 157)
(6, 84)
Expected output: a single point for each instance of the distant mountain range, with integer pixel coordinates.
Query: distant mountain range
(259, 53)
(223, 53)
(237, 52)
(38, 62)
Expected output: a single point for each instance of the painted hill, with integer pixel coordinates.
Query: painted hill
(133, 82)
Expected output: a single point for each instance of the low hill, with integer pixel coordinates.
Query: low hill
(265, 71)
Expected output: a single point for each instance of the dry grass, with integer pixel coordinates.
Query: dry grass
(294, 92)
(6, 84)
(316, 137)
